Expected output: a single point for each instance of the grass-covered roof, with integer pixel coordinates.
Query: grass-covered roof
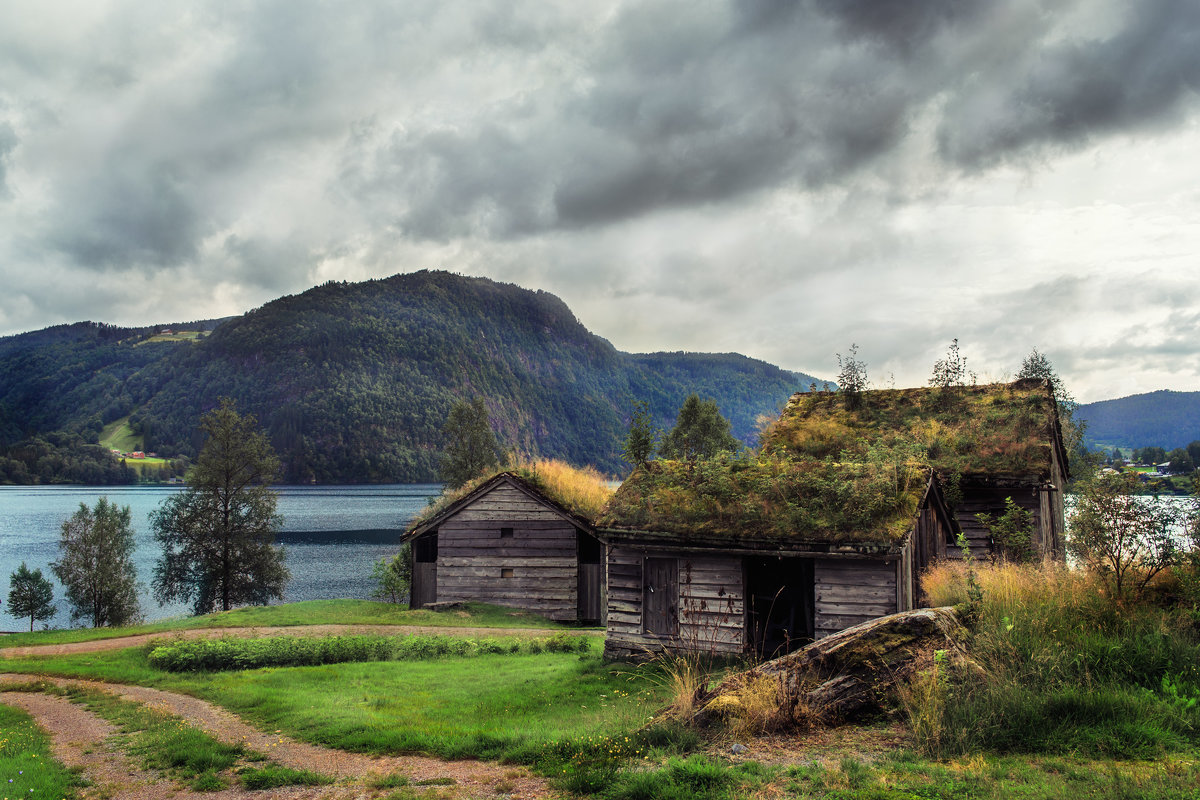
(580, 491)
(994, 430)
(835, 471)
(768, 498)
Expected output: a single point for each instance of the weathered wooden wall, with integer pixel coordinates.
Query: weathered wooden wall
(536, 569)
(712, 614)
(852, 591)
(1044, 501)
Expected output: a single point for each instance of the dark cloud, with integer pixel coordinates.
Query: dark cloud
(900, 24)
(1067, 92)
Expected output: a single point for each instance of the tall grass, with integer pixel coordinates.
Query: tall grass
(1064, 668)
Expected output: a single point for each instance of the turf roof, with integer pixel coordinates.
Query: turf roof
(829, 473)
(994, 430)
(580, 491)
(765, 498)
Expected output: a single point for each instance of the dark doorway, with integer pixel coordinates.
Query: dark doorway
(424, 577)
(660, 598)
(780, 592)
(591, 577)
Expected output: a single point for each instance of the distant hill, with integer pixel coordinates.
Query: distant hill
(353, 381)
(1159, 419)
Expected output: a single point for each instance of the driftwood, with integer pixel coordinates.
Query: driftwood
(849, 674)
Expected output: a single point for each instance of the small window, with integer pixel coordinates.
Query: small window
(506, 573)
(506, 533)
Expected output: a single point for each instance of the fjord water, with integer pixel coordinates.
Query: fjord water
(332, 536)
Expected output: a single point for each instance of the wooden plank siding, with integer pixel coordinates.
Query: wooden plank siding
(990, 500)
(850, 592)
(712, 612)
(535, 569)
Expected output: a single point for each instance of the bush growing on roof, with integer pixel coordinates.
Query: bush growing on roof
(700, 432)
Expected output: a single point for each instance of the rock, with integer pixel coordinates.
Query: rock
(738, 749)
(849, 674)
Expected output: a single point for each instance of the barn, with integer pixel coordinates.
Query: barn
(511, 540)
(832, 522)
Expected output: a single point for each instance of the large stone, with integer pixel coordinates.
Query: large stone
(849, 674)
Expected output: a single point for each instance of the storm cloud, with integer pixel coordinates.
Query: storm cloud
(776, 178)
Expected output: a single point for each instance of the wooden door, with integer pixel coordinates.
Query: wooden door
(424, 577)
(660, 603)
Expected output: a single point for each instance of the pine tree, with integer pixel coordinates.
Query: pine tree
(700, 432)
(471, 446)
(218, 535)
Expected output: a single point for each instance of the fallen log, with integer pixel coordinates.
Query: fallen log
(844, 676)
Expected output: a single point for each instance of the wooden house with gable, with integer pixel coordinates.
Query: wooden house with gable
(510, 540)
(832, 523)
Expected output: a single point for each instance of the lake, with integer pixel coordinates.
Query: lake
(332, 535)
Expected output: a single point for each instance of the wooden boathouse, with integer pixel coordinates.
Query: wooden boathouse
(511, 543)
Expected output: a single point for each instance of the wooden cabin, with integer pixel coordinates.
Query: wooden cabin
(829, 525)
(509, 543)
(738, 582)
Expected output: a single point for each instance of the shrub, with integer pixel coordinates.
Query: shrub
(206, 655)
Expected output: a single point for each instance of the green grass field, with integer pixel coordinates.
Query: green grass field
(27, 768)
(118, 435)
(586, 723)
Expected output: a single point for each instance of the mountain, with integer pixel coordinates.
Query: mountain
(353, 381)
(1156, 419)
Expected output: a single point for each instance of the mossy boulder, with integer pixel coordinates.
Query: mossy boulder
(849, 675)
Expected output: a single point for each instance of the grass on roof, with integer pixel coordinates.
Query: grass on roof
(996, 429)
(580, 490)
(770, 497)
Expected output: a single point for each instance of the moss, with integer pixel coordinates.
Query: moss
(992, 430)
(768, 497)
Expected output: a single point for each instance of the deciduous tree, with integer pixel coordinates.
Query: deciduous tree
(470, 444)
(700, 432)
(852, 377)
(393, 577)
(30, 595)
(95, 565)
(639, 445)
(218, 535)
(1124, 538)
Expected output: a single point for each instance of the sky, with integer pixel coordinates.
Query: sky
(779, 179)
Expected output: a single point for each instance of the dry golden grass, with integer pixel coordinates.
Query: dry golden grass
(753, 709)
(581, 490)
(1012, 588)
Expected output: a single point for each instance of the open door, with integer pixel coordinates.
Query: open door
(780, 593)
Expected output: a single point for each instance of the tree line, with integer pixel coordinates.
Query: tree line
(217, 539)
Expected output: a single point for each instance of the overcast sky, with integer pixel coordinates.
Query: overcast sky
(780, 179)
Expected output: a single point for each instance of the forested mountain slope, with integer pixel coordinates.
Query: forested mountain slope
(1156, 419)
(354, 380)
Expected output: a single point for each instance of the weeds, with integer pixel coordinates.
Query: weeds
(1063, 668)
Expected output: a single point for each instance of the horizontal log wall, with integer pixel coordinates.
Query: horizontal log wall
(711, 605)
(712, 611)
(990, 500)
(536, 569)
(849, 592)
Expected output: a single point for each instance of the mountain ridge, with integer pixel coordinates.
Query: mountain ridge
(352, 381)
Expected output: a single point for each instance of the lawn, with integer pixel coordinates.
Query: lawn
(310, 612)
(488, 706)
